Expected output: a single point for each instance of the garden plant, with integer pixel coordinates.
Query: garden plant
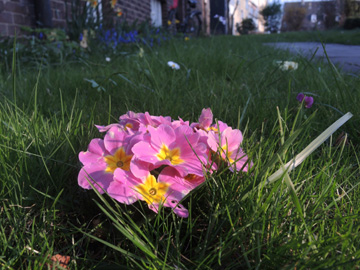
(269, 178)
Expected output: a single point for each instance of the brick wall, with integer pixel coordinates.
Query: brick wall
(14, 13)
(58, 13)
(136, 9)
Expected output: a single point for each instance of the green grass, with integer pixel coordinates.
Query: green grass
(313, 226)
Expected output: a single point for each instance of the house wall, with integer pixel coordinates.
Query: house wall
(249, 9)
(17, 13)
(315, 15)
(133, 10)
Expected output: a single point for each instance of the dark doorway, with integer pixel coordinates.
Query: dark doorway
(217, 12)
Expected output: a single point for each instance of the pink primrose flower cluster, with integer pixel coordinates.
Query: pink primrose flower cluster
(159, 160)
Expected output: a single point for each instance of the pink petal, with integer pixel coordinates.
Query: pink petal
(88, 158)
(97, 146)
(240, 159)
(179, 122)
(206, 118)
(106, 128)
(129, 115)
(213, 141)
(179, 187)
(145, 152)
(123, 187)
(221, 126)
(233, 137)
(96, 175)
(122, 193)
(96, 152)
(178, 209)
(140, 169)
(114, 139)
(164, 134)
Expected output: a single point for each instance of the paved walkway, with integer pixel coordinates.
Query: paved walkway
(346, 56)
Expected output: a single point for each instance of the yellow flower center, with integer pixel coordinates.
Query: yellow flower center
(152, 191)
(172, 155)
(213, 129)
(226, 153)
(128, 126)
(119, 164)
(118, 160)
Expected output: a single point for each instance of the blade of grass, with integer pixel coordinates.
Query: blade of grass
(298, 159)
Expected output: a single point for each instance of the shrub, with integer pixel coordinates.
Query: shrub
(246, 26)
(351, 23)
(271, 14)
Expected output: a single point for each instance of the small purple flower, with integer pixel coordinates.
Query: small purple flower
(308, 100)
(41, 35)
(81, 37)
(300, 97)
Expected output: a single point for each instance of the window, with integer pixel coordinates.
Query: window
(313, 18)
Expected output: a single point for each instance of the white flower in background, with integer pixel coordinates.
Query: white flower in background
(83, 39)
(287, 65)
(173, 65)
(141, 52)
(220, 18)
(107, 59)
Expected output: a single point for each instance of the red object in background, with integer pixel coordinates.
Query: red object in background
(175, 4)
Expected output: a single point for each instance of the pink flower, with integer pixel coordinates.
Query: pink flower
(104, 157)
(133, 122)
(142, 185)
(146, 120)
(123, 188)
(173, 147)
(180, 122)
(308, 100)
(180, 186)
(229, 147)
(158, 160)
(206, 120)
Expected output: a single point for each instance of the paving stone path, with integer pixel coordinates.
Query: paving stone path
(347, 57)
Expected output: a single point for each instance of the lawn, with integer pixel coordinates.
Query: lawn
(308, 218)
